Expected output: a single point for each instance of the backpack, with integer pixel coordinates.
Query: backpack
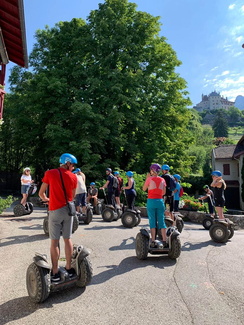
(172, 183)
(181, 191)
(115, 182)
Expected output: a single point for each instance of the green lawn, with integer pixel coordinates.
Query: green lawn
(235, 133)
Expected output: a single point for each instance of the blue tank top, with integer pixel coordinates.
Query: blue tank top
(132, 189)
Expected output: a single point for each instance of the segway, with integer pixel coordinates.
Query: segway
(179, 221)
(130, 217)
(46, 227)
(19, 209)
(38, 275)
(208, 220)
(98, 207)
(87, 217)
(110, 212)
(143, 247)
(221, 230)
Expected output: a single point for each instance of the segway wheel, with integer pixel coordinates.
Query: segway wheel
(175, 248)
(38, 282)
(75, 223)
(219, 233)
(207, 223)
(98, 208)
(108, 215)
(142, 243)
(45, 226)
(29, 208)
(19, 210)
(89, 215)
(138, 218)
(231, 232)
(129, 220)
(86, 272)
(179, 224)
(168, 222)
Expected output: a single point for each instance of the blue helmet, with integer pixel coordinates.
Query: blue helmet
(116, 173)
(67, 157)
(77, 170)
(165, 167)
(129, 174)
(216, 173)
(92, 183)
(177, 176)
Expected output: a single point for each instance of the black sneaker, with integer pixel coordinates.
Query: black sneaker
(71, 272)
(55, 277)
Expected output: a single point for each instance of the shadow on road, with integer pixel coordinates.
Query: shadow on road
(129, 264)
(22, 239)
(188, 246)
(19, 308)
(128, 243)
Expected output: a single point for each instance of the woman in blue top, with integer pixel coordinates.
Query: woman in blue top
(177, 178)
(130, 191)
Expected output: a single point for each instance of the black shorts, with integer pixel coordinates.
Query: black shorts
(117, 192)
(170, 201)
(219, 202)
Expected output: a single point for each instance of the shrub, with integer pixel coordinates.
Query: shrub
(5, 203)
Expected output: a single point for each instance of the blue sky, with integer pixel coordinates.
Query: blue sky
(206, 35)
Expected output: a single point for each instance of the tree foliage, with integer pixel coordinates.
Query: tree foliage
(104, 90)
(220, 125)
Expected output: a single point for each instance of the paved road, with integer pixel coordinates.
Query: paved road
(204, 286)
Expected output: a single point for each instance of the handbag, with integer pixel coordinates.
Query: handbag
(70, 204)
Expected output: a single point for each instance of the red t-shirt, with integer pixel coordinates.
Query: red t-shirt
(56, 193)
(156, 187)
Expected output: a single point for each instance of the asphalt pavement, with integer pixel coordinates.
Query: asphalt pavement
(205, 285)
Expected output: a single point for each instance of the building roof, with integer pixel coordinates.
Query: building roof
(224, 151)
(12, 33)
(239, 150)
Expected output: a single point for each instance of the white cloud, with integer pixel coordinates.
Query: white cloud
(242, 8)
(215, 68)
(239, 39)
(232, 6)
(224, 73)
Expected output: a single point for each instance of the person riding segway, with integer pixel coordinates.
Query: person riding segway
(131, 217)
(209, 217)
(222, 229)
(111, 211)
(92, 197)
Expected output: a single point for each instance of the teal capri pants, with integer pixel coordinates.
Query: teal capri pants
(155, 212)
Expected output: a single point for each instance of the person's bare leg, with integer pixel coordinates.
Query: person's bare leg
(24, 199)
(163, 233)
(68, 249)
(153, 233)
(54, 252)
(220, 213)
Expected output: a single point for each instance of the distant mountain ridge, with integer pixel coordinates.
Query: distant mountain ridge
(239, 102)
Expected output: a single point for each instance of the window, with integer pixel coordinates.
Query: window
(226, 168)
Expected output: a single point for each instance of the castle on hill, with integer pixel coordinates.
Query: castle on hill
(213, 101)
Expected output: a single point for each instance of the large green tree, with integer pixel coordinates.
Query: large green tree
(220, 125)
(105, 90)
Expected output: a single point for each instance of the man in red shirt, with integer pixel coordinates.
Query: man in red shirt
(59, 218)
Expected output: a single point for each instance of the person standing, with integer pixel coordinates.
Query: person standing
(26, 182)
(169, 195)
(210, 199)
(109, 186)
(156, 187)
(219, 186)
(59, 218)
(81, 192)
(130, 191)
(176, 192)
(117, 191)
